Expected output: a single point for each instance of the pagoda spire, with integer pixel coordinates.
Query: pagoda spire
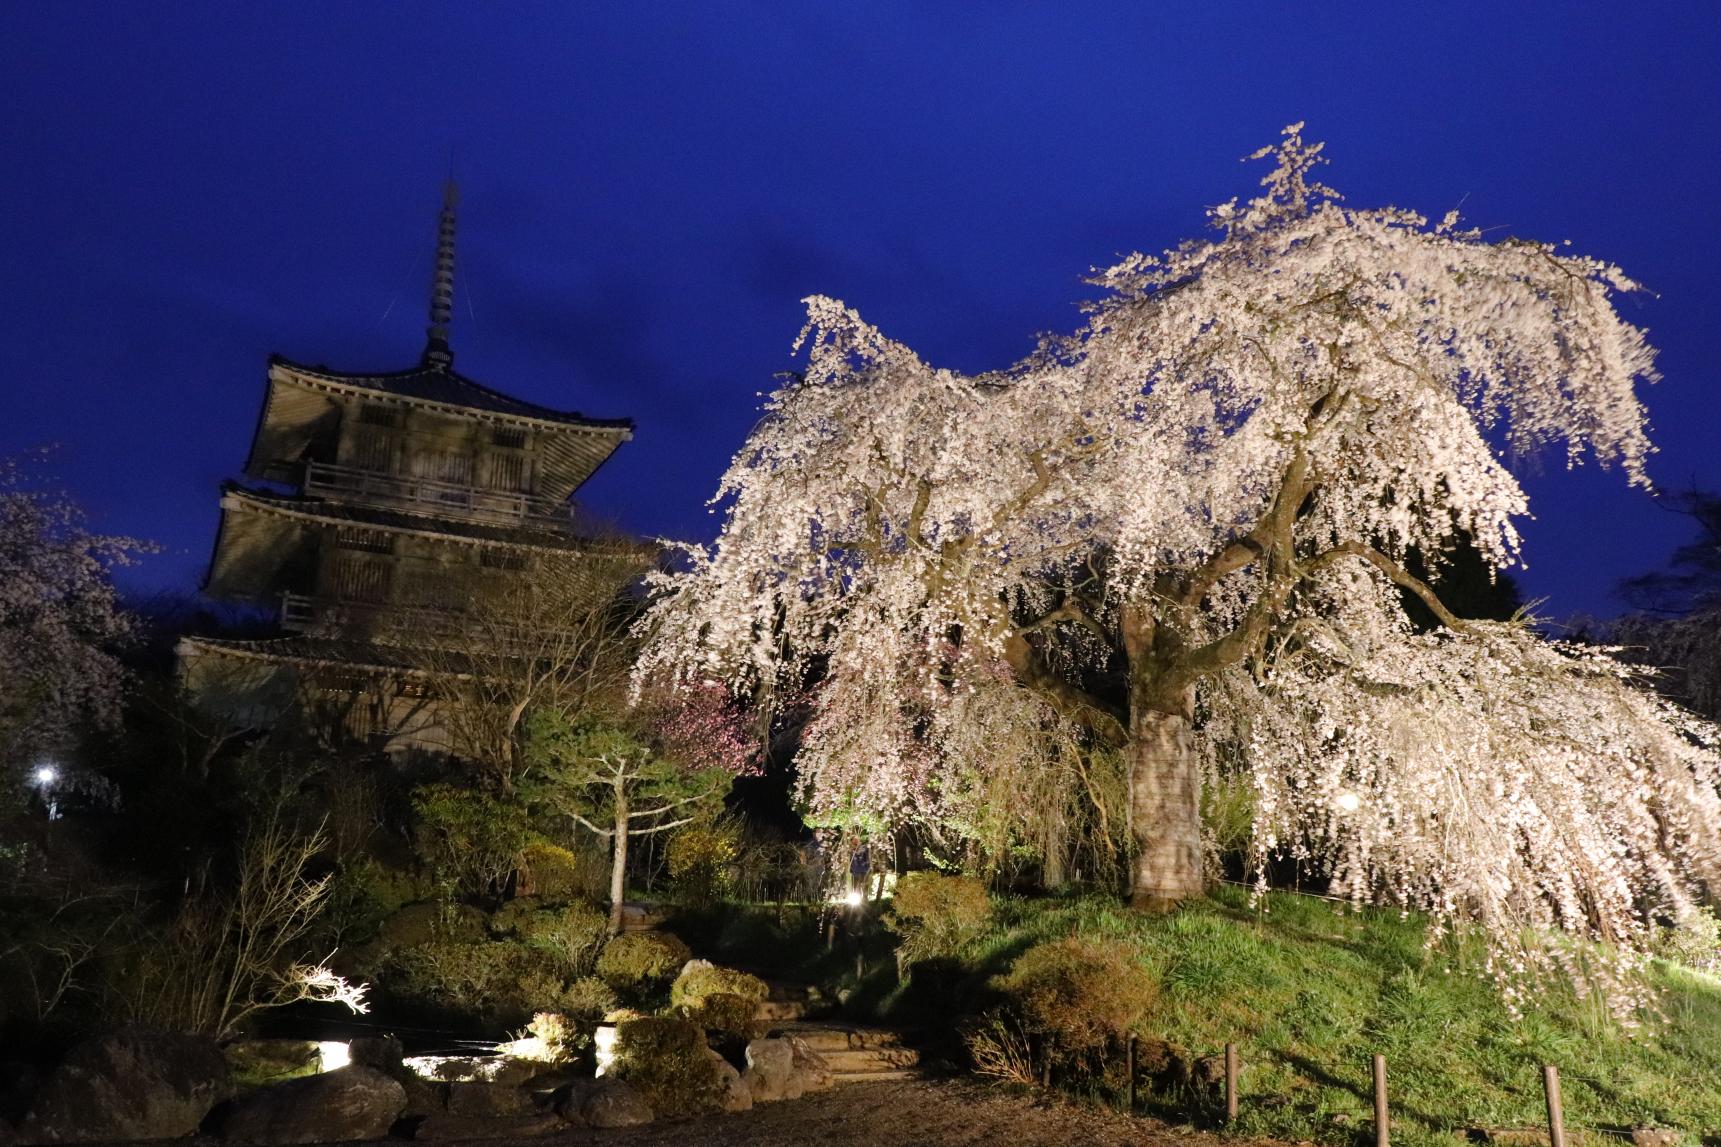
(437, 353)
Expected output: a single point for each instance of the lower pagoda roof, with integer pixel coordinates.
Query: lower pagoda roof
(322, 652)
(314, 510)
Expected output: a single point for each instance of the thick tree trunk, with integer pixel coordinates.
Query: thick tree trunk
(618, 863)
(1165, 809)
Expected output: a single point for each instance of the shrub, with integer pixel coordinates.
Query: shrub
(718, 999)
(1079, 992)
(550, 871)
(667, 1060)
(572, 934)
(699, 857)
(935, 914)
(640, 959)
(1695, 942)
(999, 1048)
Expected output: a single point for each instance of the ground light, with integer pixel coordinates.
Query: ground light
(333, 1054)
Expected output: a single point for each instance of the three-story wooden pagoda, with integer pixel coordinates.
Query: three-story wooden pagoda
(380, 502)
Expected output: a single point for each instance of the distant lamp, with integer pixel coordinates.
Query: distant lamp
(1347, 802)
(854, 899)
(46, 775)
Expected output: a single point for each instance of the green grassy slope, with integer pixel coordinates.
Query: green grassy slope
(1310, 989)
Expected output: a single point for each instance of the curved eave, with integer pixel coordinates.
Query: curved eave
(313, 514)
(376, 387)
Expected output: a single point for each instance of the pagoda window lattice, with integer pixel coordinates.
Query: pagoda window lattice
(361, 581)
(373, 449)
(505, 471)
(448, 466)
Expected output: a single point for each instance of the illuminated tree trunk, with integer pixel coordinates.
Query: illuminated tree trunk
(618, 862)
(1164, 807)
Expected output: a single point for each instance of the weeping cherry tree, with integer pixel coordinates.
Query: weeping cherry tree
(1185, 532)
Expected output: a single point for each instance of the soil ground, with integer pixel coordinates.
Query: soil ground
(911, 1113)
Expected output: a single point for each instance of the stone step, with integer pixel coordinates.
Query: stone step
(862, 1060)
(837, 1037)
(846, 1077)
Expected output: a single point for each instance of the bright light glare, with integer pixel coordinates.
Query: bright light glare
(334, 1054)
(47, 775)
(1348, 802)
(604, 1040)
(854, 898)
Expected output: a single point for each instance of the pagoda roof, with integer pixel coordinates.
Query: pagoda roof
(317, 510)
(351, 653)
(444, 387)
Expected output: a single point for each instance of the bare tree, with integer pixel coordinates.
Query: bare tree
(554, 637)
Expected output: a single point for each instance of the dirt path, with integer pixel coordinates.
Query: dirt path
(909, 1114)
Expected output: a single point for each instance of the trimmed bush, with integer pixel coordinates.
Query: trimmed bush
(636, 960)
(718, 999)
(666, 1059)
(1080, 992)
(935, 914)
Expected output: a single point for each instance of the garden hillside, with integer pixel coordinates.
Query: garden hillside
(1308, 989)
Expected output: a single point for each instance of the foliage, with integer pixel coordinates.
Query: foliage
(229, 954)
(559, 1035)
(718, 999)
(471, 839)
(1080, 992)
(699, 855)
(1308, 988)
(936, 914)
(1694, 942)
(552, 872)
(1184, 532)
(667, 1060)
(571, 934)
(60, 620)
(1000, 1048)
(636, 959)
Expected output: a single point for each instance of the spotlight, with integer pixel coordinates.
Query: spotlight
(333, 1054)
(854, 899)
(1348, 802)
(46, 775)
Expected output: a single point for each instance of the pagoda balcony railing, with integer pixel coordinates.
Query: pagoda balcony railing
(444, 498)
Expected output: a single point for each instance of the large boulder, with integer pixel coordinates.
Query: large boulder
(352, 1102)
(735, 1094)
(810, 1071)
(132, 1083)
(770, 1070)
(604, 1103)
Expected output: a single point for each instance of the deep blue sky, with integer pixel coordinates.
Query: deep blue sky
(650, 189)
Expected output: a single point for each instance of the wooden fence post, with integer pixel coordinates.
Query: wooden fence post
(1382, 1121)
(1556, 1116)
(1230, 1083)
(1129, 1074)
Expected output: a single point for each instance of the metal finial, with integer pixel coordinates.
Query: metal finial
(437, 353)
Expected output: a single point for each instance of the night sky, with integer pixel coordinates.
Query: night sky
(648, 190)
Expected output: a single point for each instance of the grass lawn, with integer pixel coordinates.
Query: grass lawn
(1309, 990)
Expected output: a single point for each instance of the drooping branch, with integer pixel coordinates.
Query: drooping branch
(1071, 701)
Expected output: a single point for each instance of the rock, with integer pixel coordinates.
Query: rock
(380, 1052)
(811, 1072)
(487, 1100)
(613, 1103)
(132, 1083)
(1654, 1137)
(736, 1095)
(442, 1128)
(423, 1097)
(770, 1067)
(507, 1071)
(351, 1102)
